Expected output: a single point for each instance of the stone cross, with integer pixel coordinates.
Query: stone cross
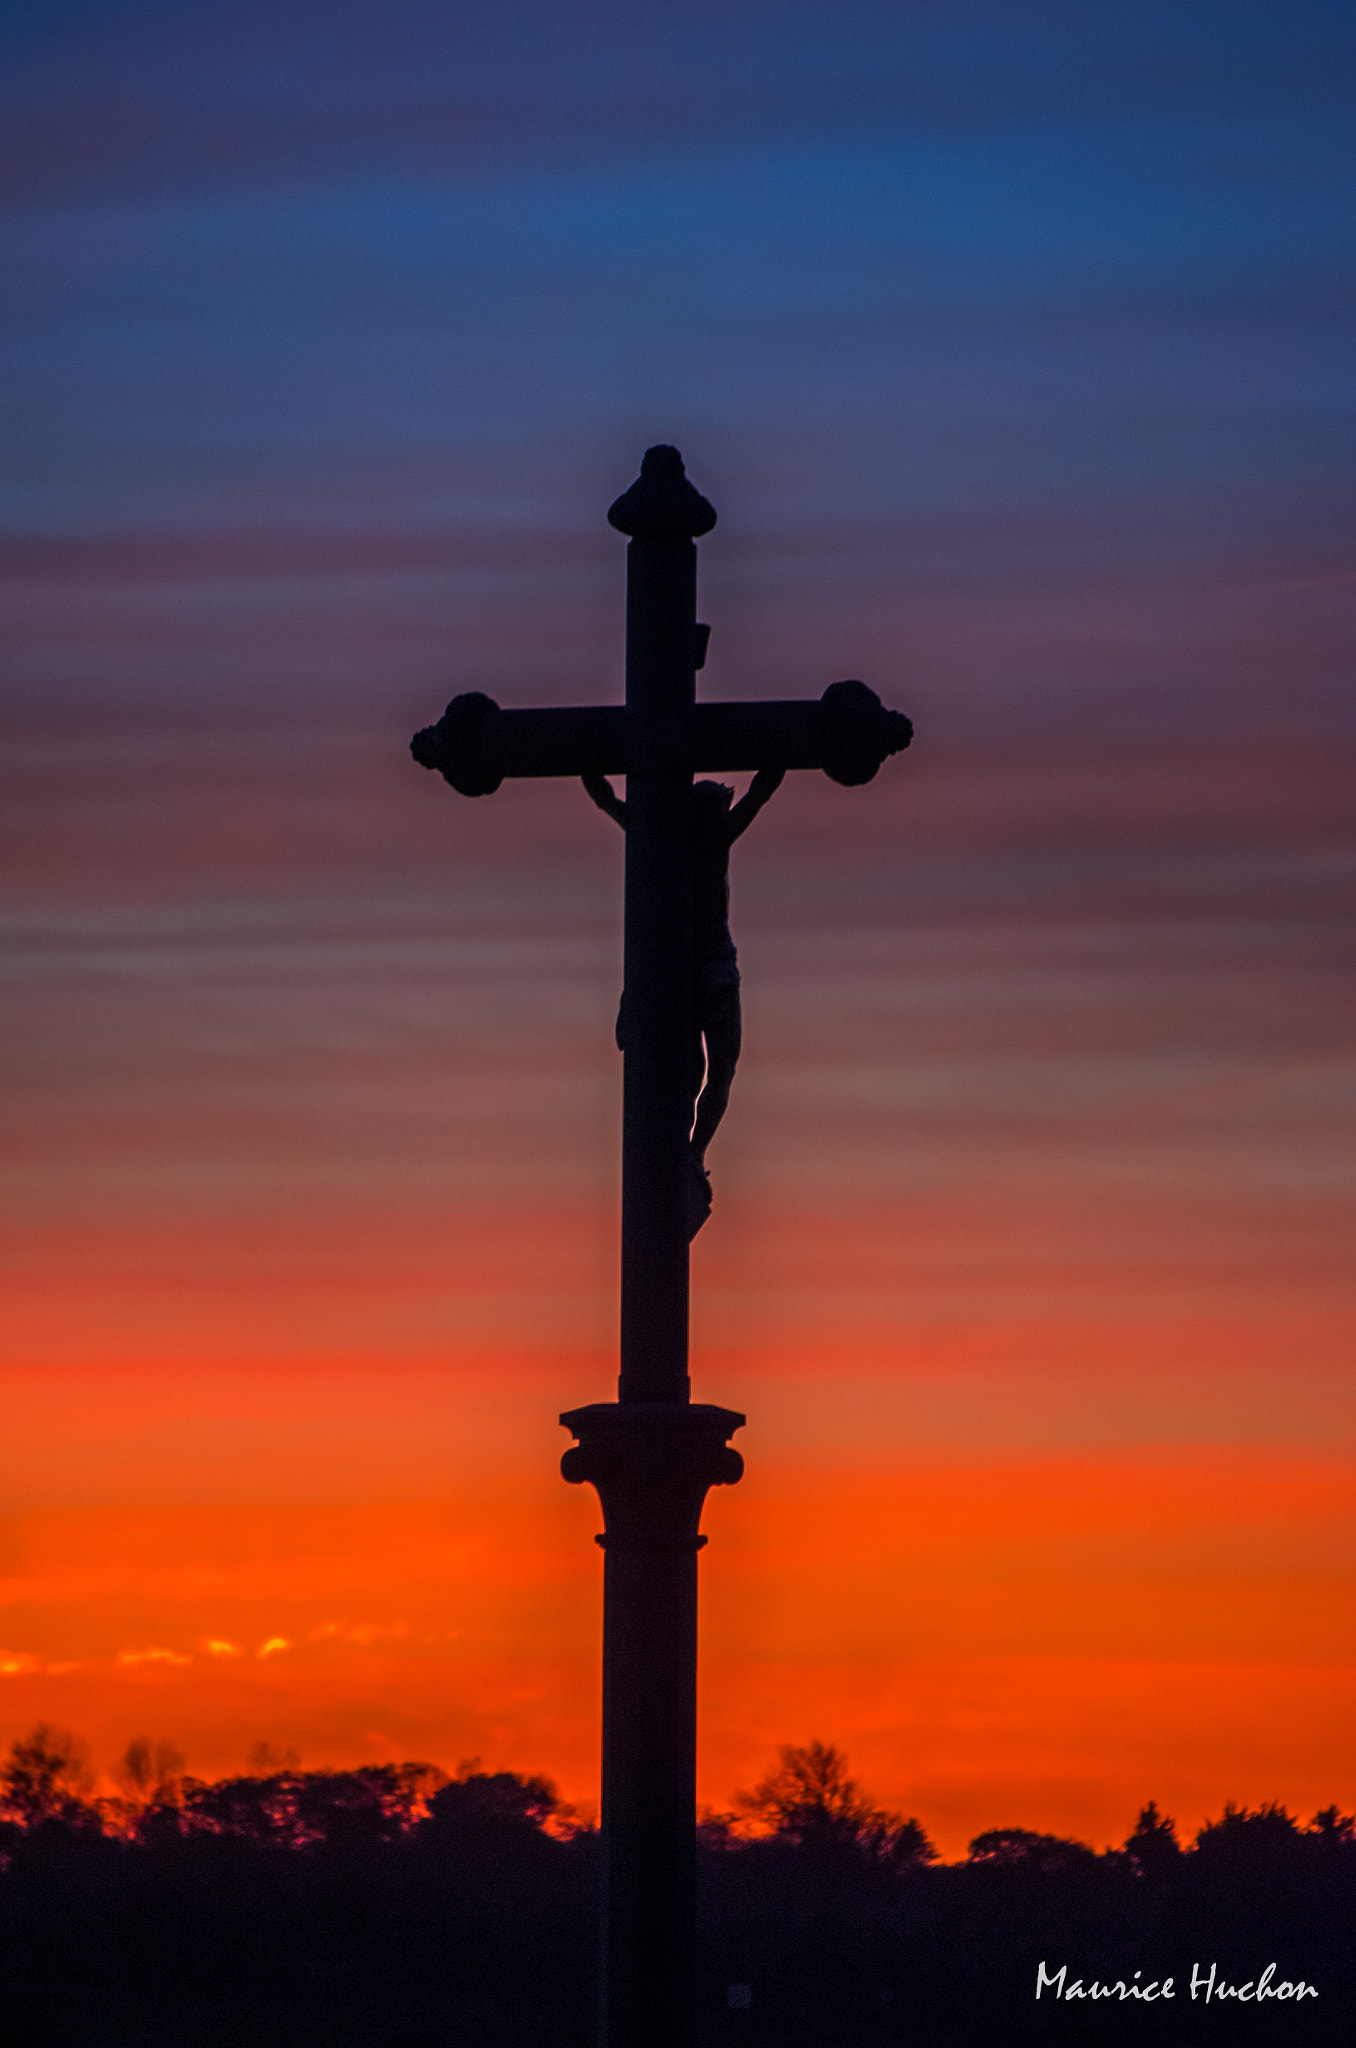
(653, 1453)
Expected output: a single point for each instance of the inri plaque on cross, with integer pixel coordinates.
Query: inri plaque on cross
(654, 1453)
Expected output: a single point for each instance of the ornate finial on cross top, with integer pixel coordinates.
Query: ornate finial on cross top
(653, 1453)
(661, 504)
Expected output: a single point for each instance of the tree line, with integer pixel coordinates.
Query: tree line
(398, 1906)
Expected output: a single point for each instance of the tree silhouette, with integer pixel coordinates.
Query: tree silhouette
(1336, 1830)
(1244, 1835)
(150, 1773)
(266, 1760)
(810, 1801)
(44, 1777)
(1008, 1848)
(1152, 1845)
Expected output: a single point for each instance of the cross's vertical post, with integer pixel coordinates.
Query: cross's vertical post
(661, 513)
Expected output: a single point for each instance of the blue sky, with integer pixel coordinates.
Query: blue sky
(877, 260)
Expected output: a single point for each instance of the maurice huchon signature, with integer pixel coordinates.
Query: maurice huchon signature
(1205, 1983)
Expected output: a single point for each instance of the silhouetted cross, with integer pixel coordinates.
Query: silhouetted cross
(659, 740)
(653, 1453)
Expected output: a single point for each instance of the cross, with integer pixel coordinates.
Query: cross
(654, 1453)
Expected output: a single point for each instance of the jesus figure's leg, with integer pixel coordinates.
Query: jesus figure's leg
(722, 1030)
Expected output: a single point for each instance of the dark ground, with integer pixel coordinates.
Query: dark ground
(391, 1908)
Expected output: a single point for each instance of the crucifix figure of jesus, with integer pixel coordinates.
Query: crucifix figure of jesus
(715, 1018)
(654, 1453)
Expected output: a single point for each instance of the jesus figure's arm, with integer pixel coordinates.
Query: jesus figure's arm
(765, 783)
(606, 798)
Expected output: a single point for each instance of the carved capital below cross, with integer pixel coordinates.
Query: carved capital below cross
(653, 1464)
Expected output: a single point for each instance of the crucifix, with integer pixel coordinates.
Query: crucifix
(654, 1453)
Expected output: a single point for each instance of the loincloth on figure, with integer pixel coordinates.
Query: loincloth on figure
(715, 999)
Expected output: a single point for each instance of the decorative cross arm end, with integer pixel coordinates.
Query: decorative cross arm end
(452, 746)
(475, 745)
(859, 733)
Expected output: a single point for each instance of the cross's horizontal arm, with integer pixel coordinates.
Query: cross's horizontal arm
(847, 732)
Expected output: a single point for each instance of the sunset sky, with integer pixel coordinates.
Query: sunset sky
(1014, 346)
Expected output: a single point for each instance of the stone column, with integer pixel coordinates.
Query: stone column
(652, 1465)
